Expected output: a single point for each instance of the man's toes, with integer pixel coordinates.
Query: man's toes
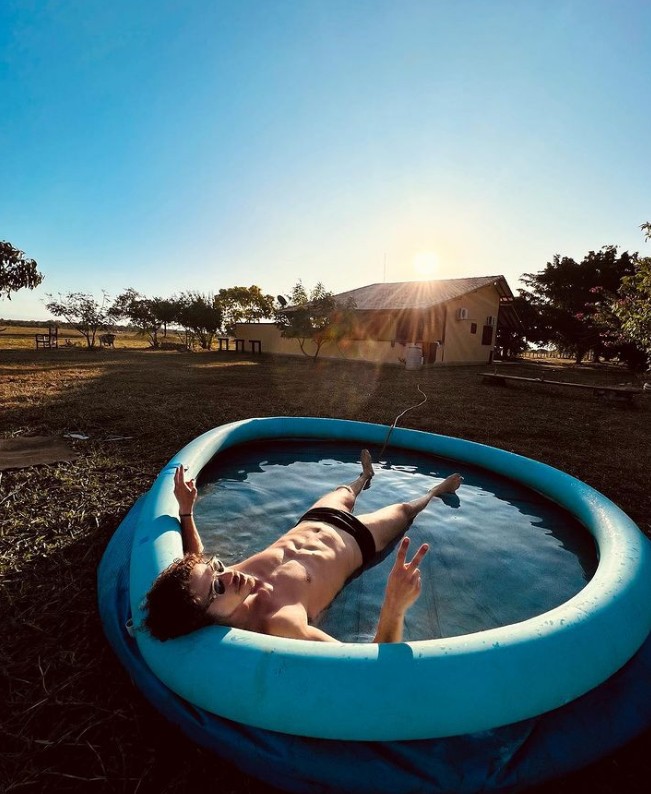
(367, 462)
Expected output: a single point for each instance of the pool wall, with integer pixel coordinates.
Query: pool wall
(460, 685)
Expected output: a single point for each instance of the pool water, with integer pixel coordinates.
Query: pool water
(499, 552)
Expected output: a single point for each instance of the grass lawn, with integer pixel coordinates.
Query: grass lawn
(72, 720)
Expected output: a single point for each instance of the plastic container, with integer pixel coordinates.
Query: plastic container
(414, 357)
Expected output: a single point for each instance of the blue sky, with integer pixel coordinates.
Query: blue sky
(198, 144)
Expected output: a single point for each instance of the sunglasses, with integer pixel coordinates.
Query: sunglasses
(216, 585)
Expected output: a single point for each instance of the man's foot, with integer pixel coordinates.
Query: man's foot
(367, 467)
(449, 485)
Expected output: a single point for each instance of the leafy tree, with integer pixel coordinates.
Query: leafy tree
(315, 318)
(511, 342)
(140, 311)
(16, 271)
(84, 312)
(243, 305)
(626, 313)
(200, 317)
(618, 342)
(632, 305)
(166, 311)
(562, 300)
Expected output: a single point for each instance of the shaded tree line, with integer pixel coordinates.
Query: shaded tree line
(312, 318)
(195, 316)
(599, 306)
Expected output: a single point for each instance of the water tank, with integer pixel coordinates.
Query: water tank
(413, 357)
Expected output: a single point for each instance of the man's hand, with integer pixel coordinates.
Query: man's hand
(403, 585)
(185, 492)
(403, 588)
(186, 496)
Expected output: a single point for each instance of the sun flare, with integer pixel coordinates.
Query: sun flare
(426, 264)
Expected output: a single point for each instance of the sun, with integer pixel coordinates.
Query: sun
(426, 264)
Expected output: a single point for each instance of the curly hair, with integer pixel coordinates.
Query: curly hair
(170, 608)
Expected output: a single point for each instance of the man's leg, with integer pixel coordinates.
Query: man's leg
(343, 497)
(389, 522)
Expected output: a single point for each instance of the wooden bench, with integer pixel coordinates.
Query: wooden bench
(50, 339)
(614, 392)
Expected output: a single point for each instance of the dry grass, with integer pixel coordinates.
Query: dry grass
(71, 720)
(19, 337)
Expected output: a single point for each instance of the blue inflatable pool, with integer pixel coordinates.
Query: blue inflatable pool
(479, 697)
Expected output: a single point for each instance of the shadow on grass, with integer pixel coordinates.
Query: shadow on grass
(73, 721)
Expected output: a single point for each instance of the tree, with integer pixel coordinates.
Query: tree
(511, 341)
(140, 311)
(83, 312)
(315, 318)
(618, 342)
(166, 310)
(243, 305)
(632, 304)
(16, 271)
(562, 298)
(200, 317)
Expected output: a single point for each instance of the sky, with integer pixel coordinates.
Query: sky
(173, 145)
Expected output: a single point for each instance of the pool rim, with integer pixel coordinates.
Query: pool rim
(461, 684)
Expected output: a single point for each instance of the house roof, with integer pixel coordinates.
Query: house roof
(420, 294)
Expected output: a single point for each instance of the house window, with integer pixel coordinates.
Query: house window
(473, 328)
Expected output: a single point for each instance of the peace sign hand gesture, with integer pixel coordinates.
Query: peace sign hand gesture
(403, 588)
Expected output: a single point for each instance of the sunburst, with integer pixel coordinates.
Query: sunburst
(426, 264)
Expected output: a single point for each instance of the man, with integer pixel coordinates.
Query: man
(280, 590)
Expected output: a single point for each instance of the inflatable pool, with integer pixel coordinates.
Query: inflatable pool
(461, 685)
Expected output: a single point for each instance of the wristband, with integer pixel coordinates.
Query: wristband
(184, 515)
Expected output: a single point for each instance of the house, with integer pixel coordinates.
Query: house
(449, 321)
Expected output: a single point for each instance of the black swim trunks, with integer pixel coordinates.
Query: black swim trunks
(349, 523)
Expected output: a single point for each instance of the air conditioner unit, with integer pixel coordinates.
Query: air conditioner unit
(462, 314)
(491, 320)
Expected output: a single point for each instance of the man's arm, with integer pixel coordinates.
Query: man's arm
(291, 622)
(403, 588)
(186, 496)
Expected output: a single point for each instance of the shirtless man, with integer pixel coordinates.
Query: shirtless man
(280, 590)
